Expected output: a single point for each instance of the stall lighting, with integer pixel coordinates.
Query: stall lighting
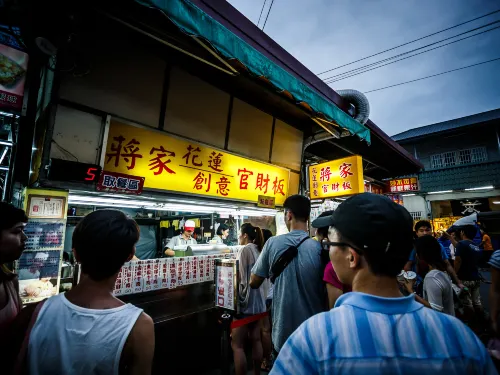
(496, 202)
(440, 192)
(4, 168)
(409, 195)
(5, 143)
(479, 188)
(83, 203)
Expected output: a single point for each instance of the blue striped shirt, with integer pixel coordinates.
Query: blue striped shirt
(365, 334)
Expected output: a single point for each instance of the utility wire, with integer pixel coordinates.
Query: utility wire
(404, 58)
(354, 71)
(269, 11)
(412, 41)
(434, 75)
(261, 11)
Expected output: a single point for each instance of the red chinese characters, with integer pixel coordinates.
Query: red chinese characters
(346, 185)
(127, 152)
(278, 186)
(215, 161)
(223, 184)
(158, 163)
(201, 180)
(244, 174)
(345, 170)
(192, 154)
(325, 174)
(262, 183)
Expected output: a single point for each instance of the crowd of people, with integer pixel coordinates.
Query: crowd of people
(370, 292)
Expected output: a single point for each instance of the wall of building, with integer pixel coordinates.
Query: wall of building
(459, 140)
(130, 83)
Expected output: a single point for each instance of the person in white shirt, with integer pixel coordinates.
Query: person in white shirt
(221, 234)
(185, 238)
(87, 330)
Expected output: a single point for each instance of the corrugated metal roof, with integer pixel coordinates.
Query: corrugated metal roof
(448, 125)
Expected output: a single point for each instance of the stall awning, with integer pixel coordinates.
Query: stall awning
(195, 22)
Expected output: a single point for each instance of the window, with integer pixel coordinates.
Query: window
(416, 215)
(467, 156)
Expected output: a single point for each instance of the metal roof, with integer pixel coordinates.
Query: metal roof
(448, 125)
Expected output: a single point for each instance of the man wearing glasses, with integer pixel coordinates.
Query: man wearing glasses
(375, 329)
(182, 239)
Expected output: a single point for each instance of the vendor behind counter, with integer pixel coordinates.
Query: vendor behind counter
(185, 238)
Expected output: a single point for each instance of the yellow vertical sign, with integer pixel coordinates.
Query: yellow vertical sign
(170, 163)
(336, 178)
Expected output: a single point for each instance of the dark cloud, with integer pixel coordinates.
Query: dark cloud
(326, 33)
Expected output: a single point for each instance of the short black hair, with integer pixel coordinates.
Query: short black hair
(299, 206)
(323, 231)
(221, 229)
(470, 231)
(11, 215)
(422, 223)
(267, 234)
(429, 250)
(103, 241)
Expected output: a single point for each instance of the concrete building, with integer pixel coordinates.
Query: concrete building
(461, 159)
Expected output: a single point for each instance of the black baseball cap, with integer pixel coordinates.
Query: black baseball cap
(323, 214)
(371, 222)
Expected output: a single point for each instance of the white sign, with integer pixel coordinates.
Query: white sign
(224, 287)
(46, 207)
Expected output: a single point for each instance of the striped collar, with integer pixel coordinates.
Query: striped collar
(400, 305)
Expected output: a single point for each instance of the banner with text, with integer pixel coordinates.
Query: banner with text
(336, 178)
(170, 163)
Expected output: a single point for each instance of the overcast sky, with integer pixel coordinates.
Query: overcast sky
(323, 34)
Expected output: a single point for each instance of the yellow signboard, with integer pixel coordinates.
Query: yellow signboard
(266, 202)
(336, 178)
(170, 163)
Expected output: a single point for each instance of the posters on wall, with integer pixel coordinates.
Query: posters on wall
(13, 67)
(40, 263)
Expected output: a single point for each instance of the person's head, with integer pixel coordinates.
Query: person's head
(368, 234)
(103, 241)
(322, 232)
(188, 229)
(428, 249)
(423, 228)
(251, 234)
(223, 231)
(468, 232)
(12, 238)
(267, 234)
(297, 210)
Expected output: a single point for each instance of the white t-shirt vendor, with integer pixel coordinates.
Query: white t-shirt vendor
(182, 239)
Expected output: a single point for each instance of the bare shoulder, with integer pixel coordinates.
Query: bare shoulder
(137, 355)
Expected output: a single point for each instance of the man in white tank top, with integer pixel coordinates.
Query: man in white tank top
(87, 330)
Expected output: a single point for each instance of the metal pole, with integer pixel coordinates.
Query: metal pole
(225, 322)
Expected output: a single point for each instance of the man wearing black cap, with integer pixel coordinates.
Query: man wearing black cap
(375, 329)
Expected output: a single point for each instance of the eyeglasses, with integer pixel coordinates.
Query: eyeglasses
(326, 246)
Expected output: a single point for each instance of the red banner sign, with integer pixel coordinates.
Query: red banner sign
(120, 182)
(403, 184)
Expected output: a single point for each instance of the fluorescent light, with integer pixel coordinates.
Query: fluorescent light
(3, 154)
(5, 143)
(480, 188)
(83, 203)
(496, 202)
(440, 192)
(4, 168)
(409, 195)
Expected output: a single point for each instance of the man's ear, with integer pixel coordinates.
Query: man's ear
(75, 255)
(131, 255)
(354, 259)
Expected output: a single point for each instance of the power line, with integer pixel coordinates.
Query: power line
(261, 11)
(434, 75)
(404, 58)
(356, 71)
(269, 11)
(412, 41)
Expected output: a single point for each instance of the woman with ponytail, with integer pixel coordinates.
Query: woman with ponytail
(251, 301)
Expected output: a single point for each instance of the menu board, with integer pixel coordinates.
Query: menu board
(226, 284)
